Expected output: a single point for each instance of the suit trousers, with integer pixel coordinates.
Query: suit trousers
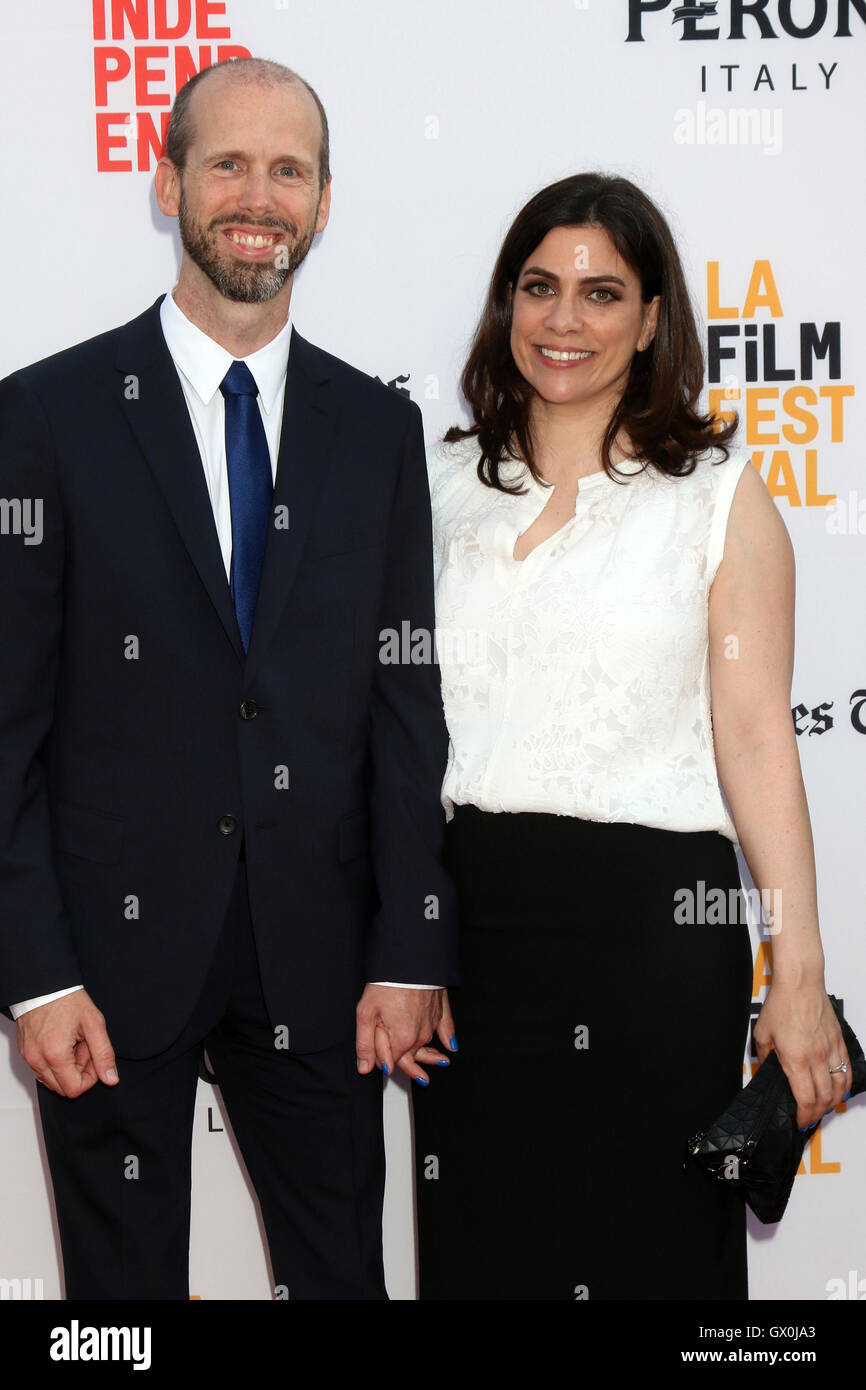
(308, 1125)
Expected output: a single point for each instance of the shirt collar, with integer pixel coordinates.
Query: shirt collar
(204, 362)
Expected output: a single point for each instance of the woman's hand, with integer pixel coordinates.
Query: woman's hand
(799, 1025)
(445, 1032)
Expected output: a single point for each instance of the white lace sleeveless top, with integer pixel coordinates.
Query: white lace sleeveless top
(576, 681)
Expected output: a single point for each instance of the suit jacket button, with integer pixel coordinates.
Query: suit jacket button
(249, 709)
(227, 825)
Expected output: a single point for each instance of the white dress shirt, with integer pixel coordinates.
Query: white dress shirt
(201, 365)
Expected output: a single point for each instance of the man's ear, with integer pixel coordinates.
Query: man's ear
(324, 209)
(167, 185)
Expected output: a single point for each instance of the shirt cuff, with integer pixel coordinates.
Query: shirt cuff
(16, 1010)
(392, 985)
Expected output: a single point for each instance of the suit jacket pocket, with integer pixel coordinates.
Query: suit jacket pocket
(353, 837)
(86, 833)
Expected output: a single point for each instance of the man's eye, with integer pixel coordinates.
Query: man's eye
(288, 169)
(226, 163)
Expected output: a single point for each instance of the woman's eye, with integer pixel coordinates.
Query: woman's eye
(610, 296)
(538, 288)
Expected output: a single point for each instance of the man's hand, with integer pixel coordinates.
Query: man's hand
(65, 1043)
(396, 1024)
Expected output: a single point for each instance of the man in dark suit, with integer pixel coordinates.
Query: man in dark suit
(219, 809)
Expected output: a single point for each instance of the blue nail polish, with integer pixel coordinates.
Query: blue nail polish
(452, 1043)
(422, 1080)
(385, 1070)
(846, 1095)
(443, 1063)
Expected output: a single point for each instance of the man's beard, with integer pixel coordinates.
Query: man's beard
(251, 282)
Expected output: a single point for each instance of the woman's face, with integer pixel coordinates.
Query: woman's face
(578, 319)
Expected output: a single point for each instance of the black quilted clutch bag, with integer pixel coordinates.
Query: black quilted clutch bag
(755, 1147)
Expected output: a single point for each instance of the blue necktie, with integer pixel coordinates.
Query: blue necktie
(250, 490)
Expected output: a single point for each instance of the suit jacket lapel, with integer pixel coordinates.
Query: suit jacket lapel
(304, 462)
(152, 400)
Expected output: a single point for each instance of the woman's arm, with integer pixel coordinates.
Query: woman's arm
(751, 643)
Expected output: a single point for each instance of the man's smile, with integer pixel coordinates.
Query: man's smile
(252, 242)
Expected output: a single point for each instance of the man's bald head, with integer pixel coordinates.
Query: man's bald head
(181, 126)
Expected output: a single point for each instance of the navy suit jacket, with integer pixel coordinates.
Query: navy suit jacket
(139, 746)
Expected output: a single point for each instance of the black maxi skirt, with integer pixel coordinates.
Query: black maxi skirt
(596, 1035)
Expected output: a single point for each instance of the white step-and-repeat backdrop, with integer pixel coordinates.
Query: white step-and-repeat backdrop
(744, 121)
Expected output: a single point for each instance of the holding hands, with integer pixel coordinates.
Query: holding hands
(396, 1027)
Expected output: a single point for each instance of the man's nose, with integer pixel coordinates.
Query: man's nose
(256, 193)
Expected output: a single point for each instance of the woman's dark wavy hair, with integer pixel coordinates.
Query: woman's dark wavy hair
(658, 409)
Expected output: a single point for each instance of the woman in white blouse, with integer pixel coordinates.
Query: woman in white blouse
(604, 562)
